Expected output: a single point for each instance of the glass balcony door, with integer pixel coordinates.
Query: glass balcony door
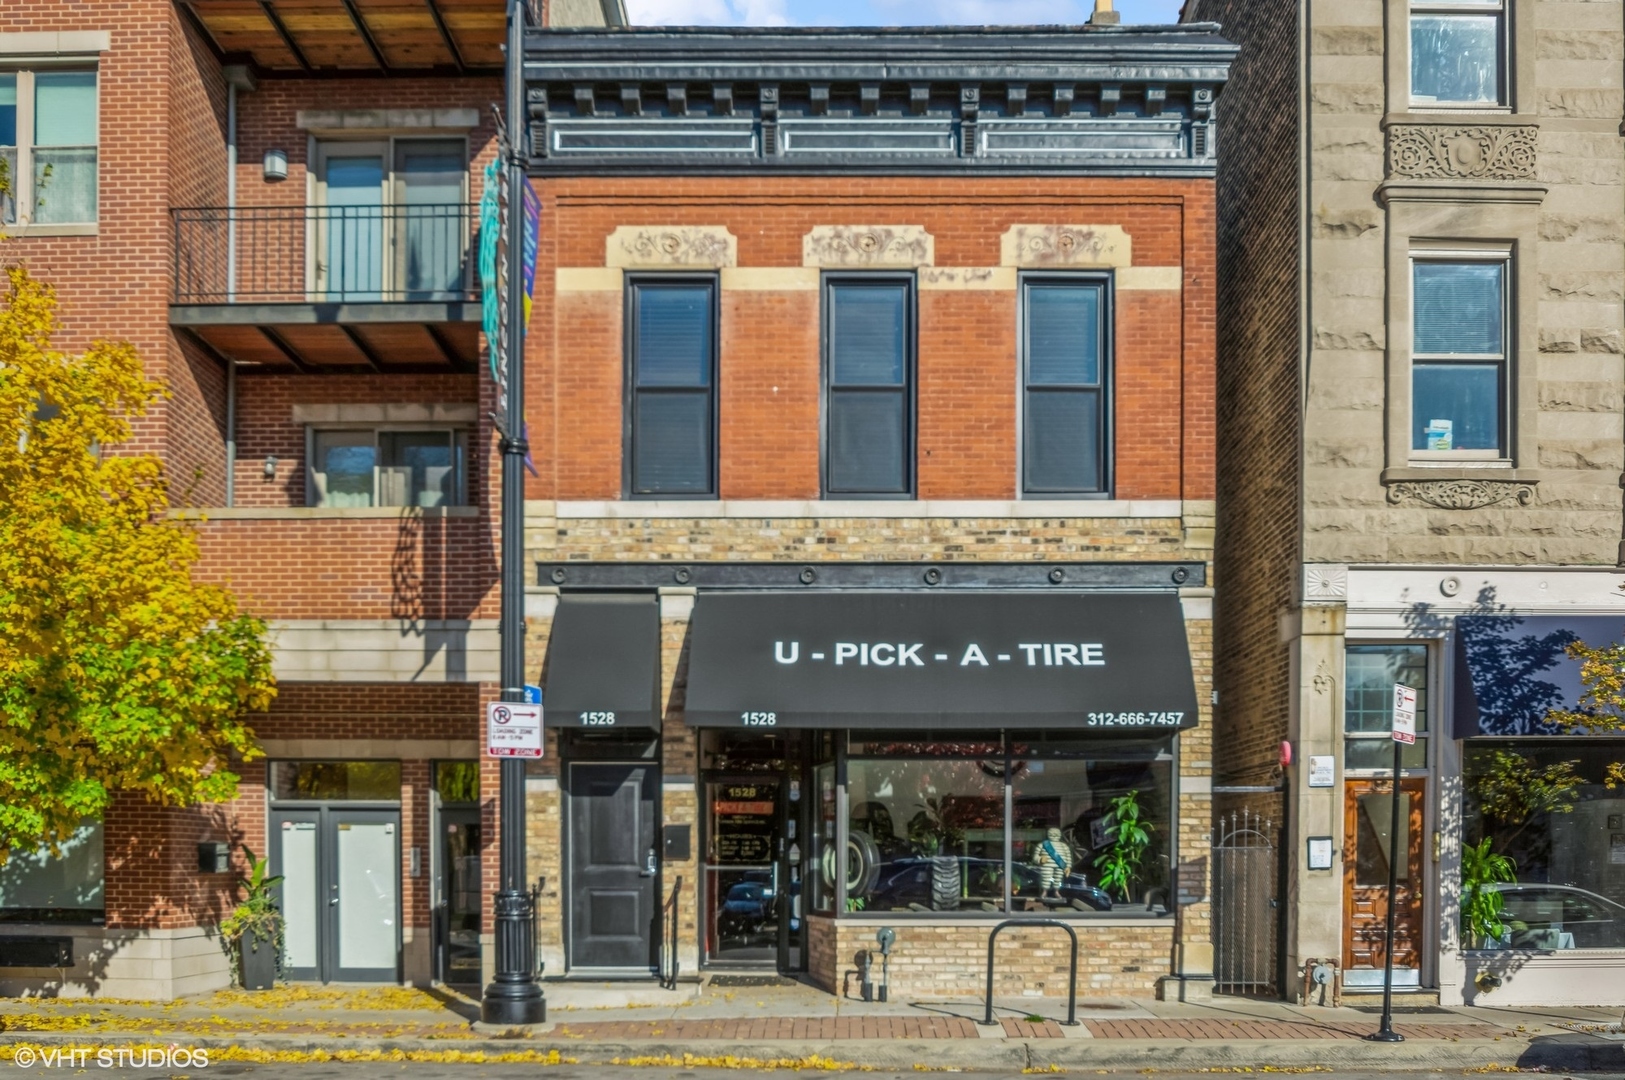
(390, 221)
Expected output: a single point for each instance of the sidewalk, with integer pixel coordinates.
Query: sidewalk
(750, 1024)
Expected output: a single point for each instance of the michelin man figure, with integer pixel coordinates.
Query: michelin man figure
(1054, 861)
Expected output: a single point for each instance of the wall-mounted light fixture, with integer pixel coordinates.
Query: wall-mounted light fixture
(270, 467)
(276, 166)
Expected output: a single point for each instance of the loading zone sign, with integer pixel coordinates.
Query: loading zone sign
(513, 729)
(1404, 714)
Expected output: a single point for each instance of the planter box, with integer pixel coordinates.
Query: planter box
(258, 963)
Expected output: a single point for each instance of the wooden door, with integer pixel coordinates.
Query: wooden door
(1367, 806)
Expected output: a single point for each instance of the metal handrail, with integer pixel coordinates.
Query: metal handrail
(668, 979)
(1072, 977)
(320, 254)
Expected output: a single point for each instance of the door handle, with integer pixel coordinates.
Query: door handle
(649, 867)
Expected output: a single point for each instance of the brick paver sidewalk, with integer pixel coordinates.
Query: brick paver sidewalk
(953, 1027)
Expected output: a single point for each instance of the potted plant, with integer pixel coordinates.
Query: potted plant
(1119, 864)
(1481, 904)
(253, 930)
(934, 838)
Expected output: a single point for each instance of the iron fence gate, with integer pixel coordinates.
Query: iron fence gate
(1244, 905)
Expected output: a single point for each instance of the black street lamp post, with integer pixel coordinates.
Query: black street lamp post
(514, 996)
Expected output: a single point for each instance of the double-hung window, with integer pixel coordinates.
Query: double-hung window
(1370, 674)
(869, 385)
(1459, 358)
(1458, 53)
(422, 467)
(671, 413)
(1064, 367)
(48, 138)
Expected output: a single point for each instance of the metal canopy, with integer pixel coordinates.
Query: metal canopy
(356, 36)
(1108, 663)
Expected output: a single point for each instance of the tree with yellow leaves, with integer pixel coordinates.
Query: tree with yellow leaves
(1601, 708)
(118, 673)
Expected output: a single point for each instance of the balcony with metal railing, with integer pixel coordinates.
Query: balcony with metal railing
(329, 288)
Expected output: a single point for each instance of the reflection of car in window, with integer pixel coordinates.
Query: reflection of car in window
(1544, 916)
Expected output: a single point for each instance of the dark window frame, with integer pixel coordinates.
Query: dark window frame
(1106, 282)
(629, 387)
(911, 347)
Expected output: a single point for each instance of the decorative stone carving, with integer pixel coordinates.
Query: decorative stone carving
(1066, 245)
(1460, 494)
(1323, 681)
(905, 246)
(1428, 152)
(632, 246)
(1325, 583)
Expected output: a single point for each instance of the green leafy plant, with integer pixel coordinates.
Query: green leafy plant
(929, 830)
(1481, 904)
(1130, 836)
(257, 917)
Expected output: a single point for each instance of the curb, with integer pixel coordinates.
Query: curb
(1570, 1053)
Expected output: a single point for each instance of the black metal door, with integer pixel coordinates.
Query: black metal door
(613, 866)
(457, 897)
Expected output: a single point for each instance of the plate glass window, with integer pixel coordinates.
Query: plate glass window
(8, 146)
(1458, 52)
(1064, 364)
(672, 362)
(868, 371)
(1370, 673)
(1459, 358)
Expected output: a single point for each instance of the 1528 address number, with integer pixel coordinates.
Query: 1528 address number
(1135, 719)
(759, 719)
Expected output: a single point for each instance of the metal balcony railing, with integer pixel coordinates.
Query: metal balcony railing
(325, 254)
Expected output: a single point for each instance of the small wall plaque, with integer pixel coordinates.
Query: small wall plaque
(1320, 853)
(1322, 770)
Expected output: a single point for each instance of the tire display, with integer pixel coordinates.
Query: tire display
(862, 864)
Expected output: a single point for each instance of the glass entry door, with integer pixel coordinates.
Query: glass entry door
(340, 893)
(744, 888)
(457, 897)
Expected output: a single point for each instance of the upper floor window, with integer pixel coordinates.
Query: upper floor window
(1064, 378)
(368, 467)
(1459, 357)
(48, 137)
(1458, 52)
(1369, 676)
(869, 385)
(671, 357)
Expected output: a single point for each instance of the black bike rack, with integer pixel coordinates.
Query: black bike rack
(1072, 977)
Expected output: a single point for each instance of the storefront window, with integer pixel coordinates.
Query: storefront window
(1546, 805)
(1084, 800)
(1087, 827)
(378, 781)
(929, 833)
(822, 842)
(1371, 671)
(64, 887)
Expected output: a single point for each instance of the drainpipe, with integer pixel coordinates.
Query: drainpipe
(237, 76)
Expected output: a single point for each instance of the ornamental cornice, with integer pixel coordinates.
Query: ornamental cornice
(1462, 152)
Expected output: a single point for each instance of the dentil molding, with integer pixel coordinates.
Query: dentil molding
(1460, 494)
(1479, 152)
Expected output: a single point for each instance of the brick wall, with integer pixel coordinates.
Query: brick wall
(949, 958)
(769, 371)
(1258, 400)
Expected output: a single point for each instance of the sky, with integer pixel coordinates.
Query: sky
(885, 12)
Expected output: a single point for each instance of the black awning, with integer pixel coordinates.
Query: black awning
(1512, 669)
(603, 663)
(965, 660)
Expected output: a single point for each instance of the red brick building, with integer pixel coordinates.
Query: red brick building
(870, 388)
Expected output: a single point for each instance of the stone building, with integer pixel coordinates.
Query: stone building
(1420, 432)
(870, 379)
